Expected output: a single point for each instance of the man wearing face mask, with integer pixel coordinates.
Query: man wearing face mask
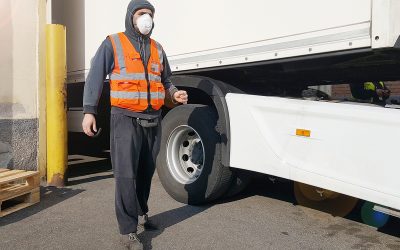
(139, 76)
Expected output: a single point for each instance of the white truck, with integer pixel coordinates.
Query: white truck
(244, 65)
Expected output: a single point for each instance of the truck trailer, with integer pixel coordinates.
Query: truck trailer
(246, 67)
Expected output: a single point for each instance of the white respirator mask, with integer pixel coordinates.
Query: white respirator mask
(144, 23)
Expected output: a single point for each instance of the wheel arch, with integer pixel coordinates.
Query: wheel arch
(207, 91)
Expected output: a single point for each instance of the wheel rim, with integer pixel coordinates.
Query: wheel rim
(185, 154)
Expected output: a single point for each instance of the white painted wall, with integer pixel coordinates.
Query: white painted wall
(19, 60)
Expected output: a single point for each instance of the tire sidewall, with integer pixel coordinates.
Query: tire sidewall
(203, 121)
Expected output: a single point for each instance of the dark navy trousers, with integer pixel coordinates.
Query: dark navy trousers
(133, 156)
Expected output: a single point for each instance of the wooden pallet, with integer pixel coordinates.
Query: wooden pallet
(18, 189)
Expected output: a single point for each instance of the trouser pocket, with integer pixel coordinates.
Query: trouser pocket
(147, 123)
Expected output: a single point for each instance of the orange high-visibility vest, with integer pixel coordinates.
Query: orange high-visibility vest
(129, 88)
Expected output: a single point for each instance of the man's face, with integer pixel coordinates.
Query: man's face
(140, 13)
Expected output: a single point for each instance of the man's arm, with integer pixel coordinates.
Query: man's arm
(177, 96)
(165, 76)
(102, 64)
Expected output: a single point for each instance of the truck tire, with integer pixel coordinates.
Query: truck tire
(189, 162)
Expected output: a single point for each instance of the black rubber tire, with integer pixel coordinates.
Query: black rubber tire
(240, 180)
(215, 179)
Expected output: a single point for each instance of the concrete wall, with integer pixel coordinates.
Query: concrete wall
(22, 81)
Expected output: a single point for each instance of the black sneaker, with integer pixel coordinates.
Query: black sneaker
(132, 242)
(146, 224)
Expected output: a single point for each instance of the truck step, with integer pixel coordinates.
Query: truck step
(387, 210)
(18, 189)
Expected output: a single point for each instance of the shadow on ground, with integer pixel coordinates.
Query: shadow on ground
(261, 185)
(86, 172)
(168, 219)
(76, 174)
(49, 196)
(283, 190)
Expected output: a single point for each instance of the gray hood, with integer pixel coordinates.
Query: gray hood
(134, 6)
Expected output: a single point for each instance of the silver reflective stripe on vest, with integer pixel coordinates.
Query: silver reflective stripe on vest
(135, 76)
(135, 95)
(120, 54)
(160, 54)
(130, 76)
(158, 95)
(154, 78)
(128, 95)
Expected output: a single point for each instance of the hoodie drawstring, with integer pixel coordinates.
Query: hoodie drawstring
(142, 49)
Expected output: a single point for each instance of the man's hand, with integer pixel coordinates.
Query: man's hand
(383, 92)
(89, 124)
(386, 93)
(181, 96)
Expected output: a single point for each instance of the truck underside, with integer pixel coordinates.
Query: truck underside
(288, 77)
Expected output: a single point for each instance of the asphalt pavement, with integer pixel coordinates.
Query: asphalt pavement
(265, 216)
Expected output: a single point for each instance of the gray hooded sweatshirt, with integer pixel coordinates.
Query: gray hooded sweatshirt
(103, 64)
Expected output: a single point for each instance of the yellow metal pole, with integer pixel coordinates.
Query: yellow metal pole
(56, 99)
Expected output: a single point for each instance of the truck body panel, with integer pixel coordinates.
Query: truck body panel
(209, 34)
(386, 24)
(348, 149)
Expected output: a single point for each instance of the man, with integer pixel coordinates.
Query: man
(373, 92)
(139, 77)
